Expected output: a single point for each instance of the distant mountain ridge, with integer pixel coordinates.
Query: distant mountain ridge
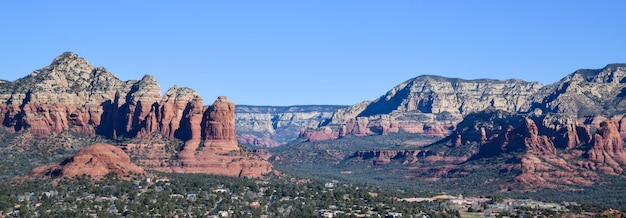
(432, 105)
(586, 92)
(270, 126)
(506, 134)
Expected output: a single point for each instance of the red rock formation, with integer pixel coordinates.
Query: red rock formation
(96, 160)
(253, 140)
(607, 150)
(71, 94)
(566, 132)
(535, 142)
(320, 135)
(362, 126)
(220, 153)
(174, 113)
(141, 101)
(458, 141)
(219, 126)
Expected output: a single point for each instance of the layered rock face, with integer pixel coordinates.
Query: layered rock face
(68, 94)
(219, 127)
(607, 152)
(550, 151)
(71, 94)
(430, 105)
(96, 160)
(270, 126)
(585, 93)
(219, 153)
(434, 94)
(433, 105)
(531, 151)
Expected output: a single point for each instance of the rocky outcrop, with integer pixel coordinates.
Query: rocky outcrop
(532, 151)
(435, 94)
(96, 160)
(219, 126)
(547, 149)
(343, 115)
(607, 152)
(386, 156)
(429, 125)
(248, 139)
(71, 94)
(68, 94)
(321, 134)
(270, 126)
(215, 149)
(180, 113)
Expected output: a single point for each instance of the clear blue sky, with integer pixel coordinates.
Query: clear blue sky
(313, 52)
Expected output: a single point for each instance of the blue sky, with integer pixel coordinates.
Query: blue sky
(313, 52)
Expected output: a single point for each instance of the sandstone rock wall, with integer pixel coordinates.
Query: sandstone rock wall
(70, 94)
(270, 126)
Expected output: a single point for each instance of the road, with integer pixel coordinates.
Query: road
(216, 208)
(269, 205)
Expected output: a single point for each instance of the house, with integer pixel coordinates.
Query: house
(223, 213)
(329, 185)
(255, 205)
(328, 214)
(221, 190)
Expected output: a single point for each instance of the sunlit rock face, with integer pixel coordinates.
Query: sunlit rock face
(72, 95)
(427, 105)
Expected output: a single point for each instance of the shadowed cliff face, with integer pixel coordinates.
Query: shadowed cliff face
(70, 94)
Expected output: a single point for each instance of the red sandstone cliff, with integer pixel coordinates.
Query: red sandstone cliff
(219, 153)
(607, 152)
(71, 94)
